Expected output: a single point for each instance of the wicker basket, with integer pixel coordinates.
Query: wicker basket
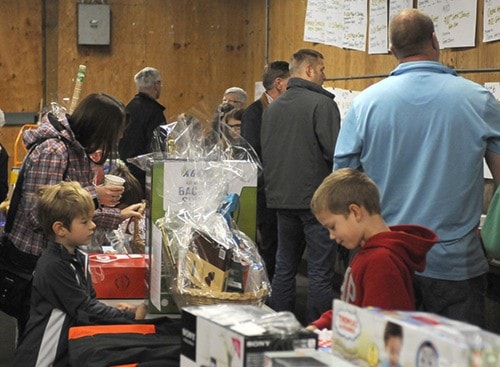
(195, 297)
(189, 296)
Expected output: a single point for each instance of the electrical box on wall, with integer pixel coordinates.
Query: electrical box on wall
(93, 24)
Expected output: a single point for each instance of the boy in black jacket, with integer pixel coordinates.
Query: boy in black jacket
(62, 293)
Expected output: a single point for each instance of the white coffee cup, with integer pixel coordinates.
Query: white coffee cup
(112, 180)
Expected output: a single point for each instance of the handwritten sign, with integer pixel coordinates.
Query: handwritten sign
(491, 31)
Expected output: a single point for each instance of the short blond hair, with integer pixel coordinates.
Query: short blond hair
(344, 187)
(303, 57)
(62, 202)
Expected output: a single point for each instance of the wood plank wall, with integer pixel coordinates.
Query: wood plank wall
(201, 47)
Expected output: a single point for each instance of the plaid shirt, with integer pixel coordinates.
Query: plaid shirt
(51, 161)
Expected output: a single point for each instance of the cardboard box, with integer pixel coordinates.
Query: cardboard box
(358, 336)
(226, 335)
(119, 276)
(207, 263)
(171, 184)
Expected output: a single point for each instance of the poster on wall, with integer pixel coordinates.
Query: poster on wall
(343, 98)
(494, 88)
(491, 28)
(314, 26)
(454, 20)
(337, 23)
(334, 32)
(355, 22)
(377, 27)
(349, 23)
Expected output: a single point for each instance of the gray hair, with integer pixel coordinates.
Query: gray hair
(147, 77)
(240, 92)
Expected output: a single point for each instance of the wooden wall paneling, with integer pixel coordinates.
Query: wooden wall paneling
(21, 63)
(21, 55)
(205, 45)
(50, 50)
(255, 25)
(286, 28)
(199, 46)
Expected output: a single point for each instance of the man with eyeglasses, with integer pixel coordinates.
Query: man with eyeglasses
(233, 97)
(145, 115)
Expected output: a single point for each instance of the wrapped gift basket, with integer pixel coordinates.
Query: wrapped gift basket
(208, 259)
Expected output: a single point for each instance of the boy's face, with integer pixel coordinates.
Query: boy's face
(345, 230)
(81, 231)
(393, 349)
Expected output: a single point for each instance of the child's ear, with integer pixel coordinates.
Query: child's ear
(356, 211)
(59, 229)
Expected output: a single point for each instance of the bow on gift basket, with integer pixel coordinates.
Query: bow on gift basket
(209, 258)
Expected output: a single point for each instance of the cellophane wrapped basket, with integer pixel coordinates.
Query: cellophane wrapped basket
(208, 258)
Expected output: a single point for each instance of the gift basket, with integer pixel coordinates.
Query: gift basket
(208, 259)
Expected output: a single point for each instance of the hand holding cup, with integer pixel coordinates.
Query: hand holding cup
(110, 193)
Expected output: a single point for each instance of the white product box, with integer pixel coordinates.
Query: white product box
(424, 339)
(226, 335)
(304, 358)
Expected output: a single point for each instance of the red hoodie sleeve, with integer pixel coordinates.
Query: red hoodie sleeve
(325, 320)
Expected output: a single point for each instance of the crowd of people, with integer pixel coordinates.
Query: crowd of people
(400, 182)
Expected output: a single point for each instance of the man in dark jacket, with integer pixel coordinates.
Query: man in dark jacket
(298, 136)
(145, 115)
(274, 80)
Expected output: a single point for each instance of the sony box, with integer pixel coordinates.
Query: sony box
(119, 276)
(227, 335)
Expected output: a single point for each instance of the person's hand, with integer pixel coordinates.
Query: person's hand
(311, 327)
(141, 311)
(123, 306)
(109, 195)
(133, 211)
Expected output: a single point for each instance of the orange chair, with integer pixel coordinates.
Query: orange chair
(19, 148)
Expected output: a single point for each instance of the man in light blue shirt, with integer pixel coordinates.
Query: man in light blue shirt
(421, 135)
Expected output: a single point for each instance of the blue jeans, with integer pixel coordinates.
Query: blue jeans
(298, 229)
(459, 300)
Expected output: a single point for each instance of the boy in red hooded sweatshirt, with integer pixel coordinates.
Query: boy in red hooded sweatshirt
(380, 275)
